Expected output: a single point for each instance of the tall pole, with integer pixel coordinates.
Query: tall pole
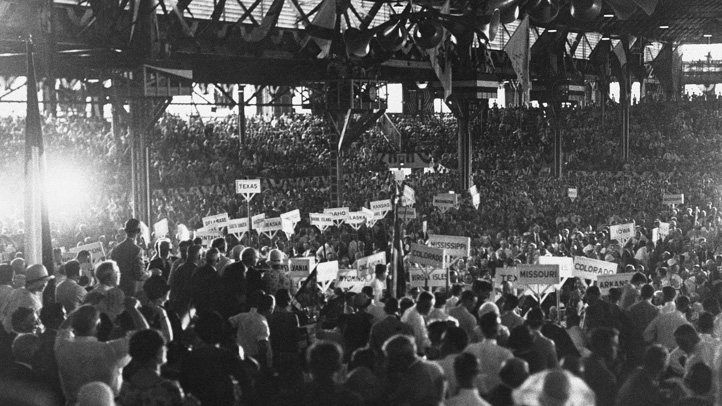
(242, 116)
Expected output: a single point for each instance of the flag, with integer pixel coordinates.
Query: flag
(439, 60)
(518, 50)
(38, 248)
(322, 27)
(621, 54)
(310, 295)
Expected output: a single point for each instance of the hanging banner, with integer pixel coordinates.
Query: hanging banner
(606, 282)
(428, 256)
(301, 267)
(367, 265)
(446, 201)
(538, 274)
(409, 196)
(670, 199)
(238, 227)
(219, 220)
(160, 229)
(588, 268)
(622, 233)
(455, 246)
(327, 271)
(248, 187)
(502, 275)
(350, 281)
(258, 221)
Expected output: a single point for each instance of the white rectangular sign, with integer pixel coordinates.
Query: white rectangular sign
(337, 213)
(294, 216)
(407, 213)
(473, 190)
(258, 220)
(588, 268)
(455, 246)
(670, 199)
(208, 234)
(349, 280)
(381, 206)
(428, 256)
(506, 275)
(248, 186)
(301, 267)
(572, 193)
(327, 271)
(409, 196)
(219, 220)
(538, 274)
(420, 278)
(566, 265)
(355, 218)
(367, 265)
(271, 225)
(476, 200)
(663, 231)
(622, 233)
(606, 282)
(96, 250)
(237, 226)
(446, 201)
(321, 220)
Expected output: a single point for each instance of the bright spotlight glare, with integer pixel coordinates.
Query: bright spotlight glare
(69, 188)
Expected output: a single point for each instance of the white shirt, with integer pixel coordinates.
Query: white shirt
(251, 328)
(466, 397)
(378, 287)
(490, 356)
(417, 322)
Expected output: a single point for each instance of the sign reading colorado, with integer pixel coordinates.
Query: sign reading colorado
(589, 268)
(455, 246)
(428, 256)
(538, 274)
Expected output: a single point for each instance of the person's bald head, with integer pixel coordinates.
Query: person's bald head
(96, 394)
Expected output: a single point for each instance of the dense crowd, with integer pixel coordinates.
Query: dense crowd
(175, 321)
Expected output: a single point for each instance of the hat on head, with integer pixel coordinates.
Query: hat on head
(36, 273)
(132, 226)
(276, 257)
(360, 300)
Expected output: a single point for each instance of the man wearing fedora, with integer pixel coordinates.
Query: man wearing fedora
(128, 256)
(30, 296)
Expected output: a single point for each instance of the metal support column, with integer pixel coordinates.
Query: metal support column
(624, 99)
(558, 151)
(242, 114)
(464, 147)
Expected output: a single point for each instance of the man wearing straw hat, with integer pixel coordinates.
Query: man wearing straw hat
(30, 296)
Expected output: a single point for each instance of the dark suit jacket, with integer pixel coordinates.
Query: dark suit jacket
(127, 255)
(642, 314)
(206, 289)
(164, 266)
(233, 277)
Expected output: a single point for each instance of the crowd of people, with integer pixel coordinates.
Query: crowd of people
(167, 321)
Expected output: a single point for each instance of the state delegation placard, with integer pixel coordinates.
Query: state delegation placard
(588, 268)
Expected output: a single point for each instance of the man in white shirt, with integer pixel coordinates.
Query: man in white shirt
(82, 358)
(68, 292)
(379, 282)
(415, 317)
(661, 329)
(490, 355)
(252, 331)
(466, 368)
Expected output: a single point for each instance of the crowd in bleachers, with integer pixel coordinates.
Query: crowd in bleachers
(234, 335)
